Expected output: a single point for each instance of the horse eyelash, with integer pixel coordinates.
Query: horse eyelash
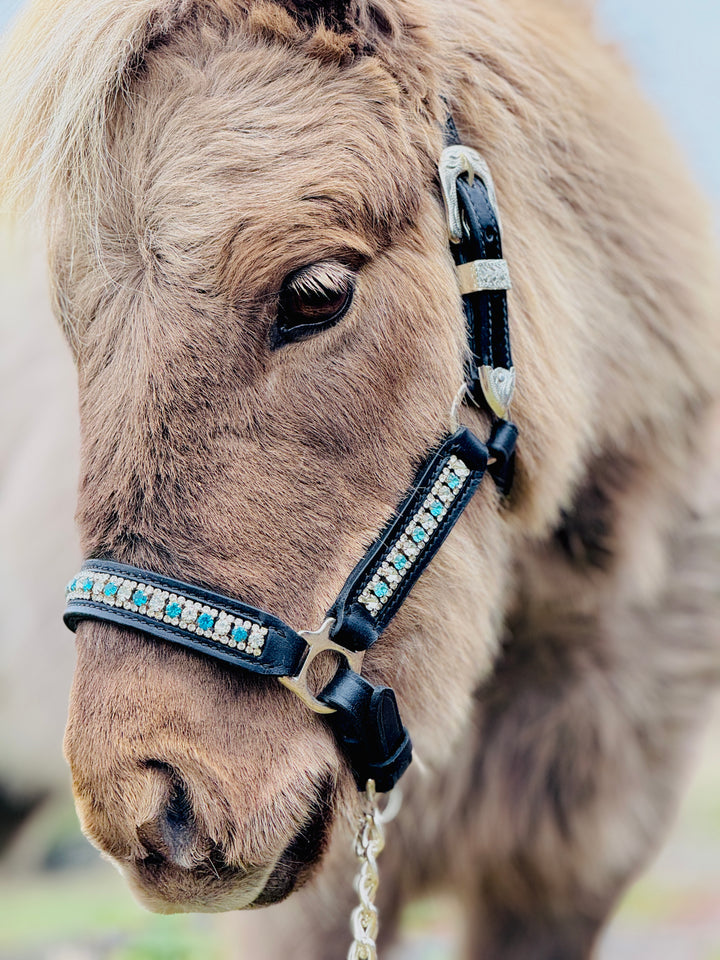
(321, 278)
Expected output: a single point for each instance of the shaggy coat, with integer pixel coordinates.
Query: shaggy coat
(556, 658)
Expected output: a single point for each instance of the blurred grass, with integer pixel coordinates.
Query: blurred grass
(90, 913)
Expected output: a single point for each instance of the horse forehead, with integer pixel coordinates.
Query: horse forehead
(266, 122)
(274, 101)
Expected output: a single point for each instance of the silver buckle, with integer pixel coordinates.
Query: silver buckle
(318, 642)
(455, 161)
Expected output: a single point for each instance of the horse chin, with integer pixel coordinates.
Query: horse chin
(300, 859)
(189, 892)
(214, 886)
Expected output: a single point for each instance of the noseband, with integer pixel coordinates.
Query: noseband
(364, 717)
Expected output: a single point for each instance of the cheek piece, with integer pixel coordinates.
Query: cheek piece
(364, 717)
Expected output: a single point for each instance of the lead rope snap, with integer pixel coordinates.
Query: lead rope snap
(369, 842)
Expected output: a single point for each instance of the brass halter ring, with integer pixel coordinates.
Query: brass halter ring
(318, 642)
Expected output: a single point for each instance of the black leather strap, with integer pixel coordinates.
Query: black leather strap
(282, 650)
(367, 725)
(357, 626)
(486, 311)
(452, 137)
(501, 446)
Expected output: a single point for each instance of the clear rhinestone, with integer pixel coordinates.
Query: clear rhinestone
(157, 603)
(189, 613)
(125, 590)
(99, 585)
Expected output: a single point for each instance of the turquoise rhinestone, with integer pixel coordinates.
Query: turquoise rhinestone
(173, 610)
(239, 634)
(400, 562)
(381, 590)
(205, 621)
(139, 598)
(418, 534)
(110, 589)
(87, 583)
(453, 481)
(436, 509)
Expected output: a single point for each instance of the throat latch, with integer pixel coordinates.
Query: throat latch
(483, 275)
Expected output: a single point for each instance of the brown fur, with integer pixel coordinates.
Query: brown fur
(556, 657)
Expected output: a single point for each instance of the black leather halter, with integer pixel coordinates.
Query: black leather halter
(364, 717)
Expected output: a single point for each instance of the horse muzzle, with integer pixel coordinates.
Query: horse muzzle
(208, 796)
(177, 868)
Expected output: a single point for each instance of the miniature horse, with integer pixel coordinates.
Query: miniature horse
(250, 263)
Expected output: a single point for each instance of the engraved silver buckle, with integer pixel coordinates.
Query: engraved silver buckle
(318, 642)
(479, 275)
(455, 161)
(497, 383)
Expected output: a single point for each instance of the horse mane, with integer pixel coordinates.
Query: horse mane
(67, 63)
(64, 66)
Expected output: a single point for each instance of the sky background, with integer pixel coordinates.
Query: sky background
(675, 46)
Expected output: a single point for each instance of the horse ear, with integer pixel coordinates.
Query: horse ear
(332, 10)
(344, 15)
(378, 20)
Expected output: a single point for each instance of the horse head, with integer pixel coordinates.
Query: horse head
(251, 266)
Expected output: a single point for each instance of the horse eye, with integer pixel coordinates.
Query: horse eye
(313, 299)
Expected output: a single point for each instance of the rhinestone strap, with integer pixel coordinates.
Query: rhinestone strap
(406, 549)
(182, 611)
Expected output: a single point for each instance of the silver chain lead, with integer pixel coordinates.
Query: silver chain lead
(369, 842)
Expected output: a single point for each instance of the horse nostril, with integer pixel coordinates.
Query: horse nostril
(172, 834)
